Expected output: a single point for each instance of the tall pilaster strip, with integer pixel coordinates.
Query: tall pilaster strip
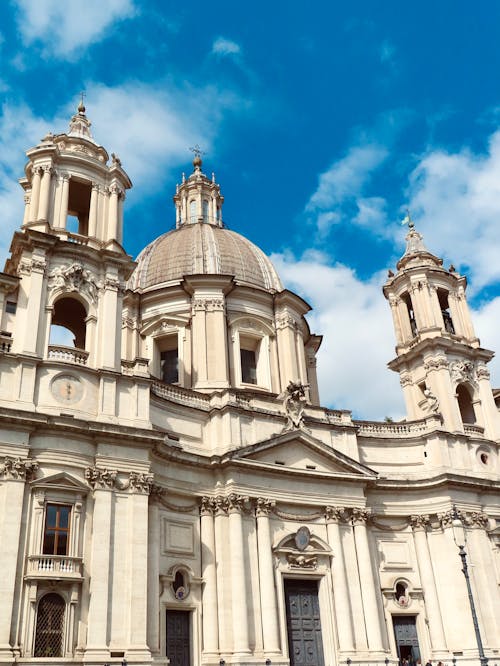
(342, 606)
(238, 577)
(269, 608)
(436, 630)
(366, 574)
(209, 573)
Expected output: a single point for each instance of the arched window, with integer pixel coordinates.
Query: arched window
(465, 404)
(205, 211)
(68, 323)
(411, 315)
(49, 626)
(445, 311)
(192, 211)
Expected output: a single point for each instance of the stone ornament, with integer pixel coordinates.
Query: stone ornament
(18, 468)
(462, 371)
(432, 401)
(67, 389)
(302, 538)
(264, 507)
(140, 482)
(336, 514)
(302, 561)
(360, 516)
(294, 402)
(74, 278)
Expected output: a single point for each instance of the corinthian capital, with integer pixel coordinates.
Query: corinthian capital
(207, 506)
(18, 468)
(236, 503)
(100, 477)
(360, 516)
(420, 522)
(140, 482)
(335, 514)
(263, 507)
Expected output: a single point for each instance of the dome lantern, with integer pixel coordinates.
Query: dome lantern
(197, 198)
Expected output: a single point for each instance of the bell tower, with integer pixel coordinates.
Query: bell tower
(69, 260)
(443, 369)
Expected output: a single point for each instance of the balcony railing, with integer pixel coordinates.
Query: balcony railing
(54, 566)
(473, 430)
(5, 341)
(68, 354)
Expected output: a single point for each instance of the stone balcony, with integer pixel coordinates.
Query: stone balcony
(54, 567)
(68, 354)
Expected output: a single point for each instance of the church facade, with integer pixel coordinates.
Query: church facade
(171, 489)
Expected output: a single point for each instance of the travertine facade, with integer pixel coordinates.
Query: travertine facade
(171, 488)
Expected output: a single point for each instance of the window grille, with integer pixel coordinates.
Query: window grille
(49, 626)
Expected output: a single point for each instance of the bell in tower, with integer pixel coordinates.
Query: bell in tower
(441, 364)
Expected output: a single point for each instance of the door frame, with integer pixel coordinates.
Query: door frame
(326, 609)
(194, 643)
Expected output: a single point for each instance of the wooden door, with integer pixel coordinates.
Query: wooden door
(305, 644)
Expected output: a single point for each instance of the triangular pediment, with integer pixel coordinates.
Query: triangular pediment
(298, 450)
(61, 481)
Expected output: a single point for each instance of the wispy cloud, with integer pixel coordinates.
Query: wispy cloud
(225, 47)
(341, 187)
(455, 200)
(63, 28)
(387, 52)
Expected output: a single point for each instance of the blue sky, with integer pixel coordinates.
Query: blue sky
(322, 124)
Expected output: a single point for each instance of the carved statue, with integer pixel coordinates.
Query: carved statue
(432, 401)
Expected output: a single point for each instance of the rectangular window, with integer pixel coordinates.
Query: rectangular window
(56, 533)
(248, 366)
(10, 307)
(169, 366)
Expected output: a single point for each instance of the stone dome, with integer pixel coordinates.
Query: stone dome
(203, 249)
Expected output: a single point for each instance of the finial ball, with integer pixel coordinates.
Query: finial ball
(197, 162)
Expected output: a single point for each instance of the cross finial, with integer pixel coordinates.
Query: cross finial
(81, 106)
(408, 221)
(198, 152)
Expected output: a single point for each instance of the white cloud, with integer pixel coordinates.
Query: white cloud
(225, 47)
(343, 184)
(387, 52)
(455, 199)
(355, 319)
(150, 126)
(65, 27)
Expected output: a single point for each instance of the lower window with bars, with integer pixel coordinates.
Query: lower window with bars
(50, 626)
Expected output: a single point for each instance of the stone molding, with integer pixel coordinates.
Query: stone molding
(207, 304)
(436, 363)
(20, 469)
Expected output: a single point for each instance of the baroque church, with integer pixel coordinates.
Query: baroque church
(172, 490)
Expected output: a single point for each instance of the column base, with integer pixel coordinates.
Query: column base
(6, 654)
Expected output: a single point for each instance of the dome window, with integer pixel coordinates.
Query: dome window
(248, 366)
(205, 211)
(192, 211)
(169, 366)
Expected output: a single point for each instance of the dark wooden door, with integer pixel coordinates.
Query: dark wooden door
(178, 644)
(405, 632)
(305, 645)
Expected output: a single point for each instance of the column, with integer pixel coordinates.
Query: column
(198, 327)
(35, 193)
(436, 630)
(26, 216)
(113, 212)
(14, 473)
(366, 575)
(102, 482)
(94, 196)
(43, 206)
(223, 573)
(140, 486)
(268, 603)
(340, 589)
(210, 616)
(154, 574)
(238, 575)
(63, 213)
(33, 310)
